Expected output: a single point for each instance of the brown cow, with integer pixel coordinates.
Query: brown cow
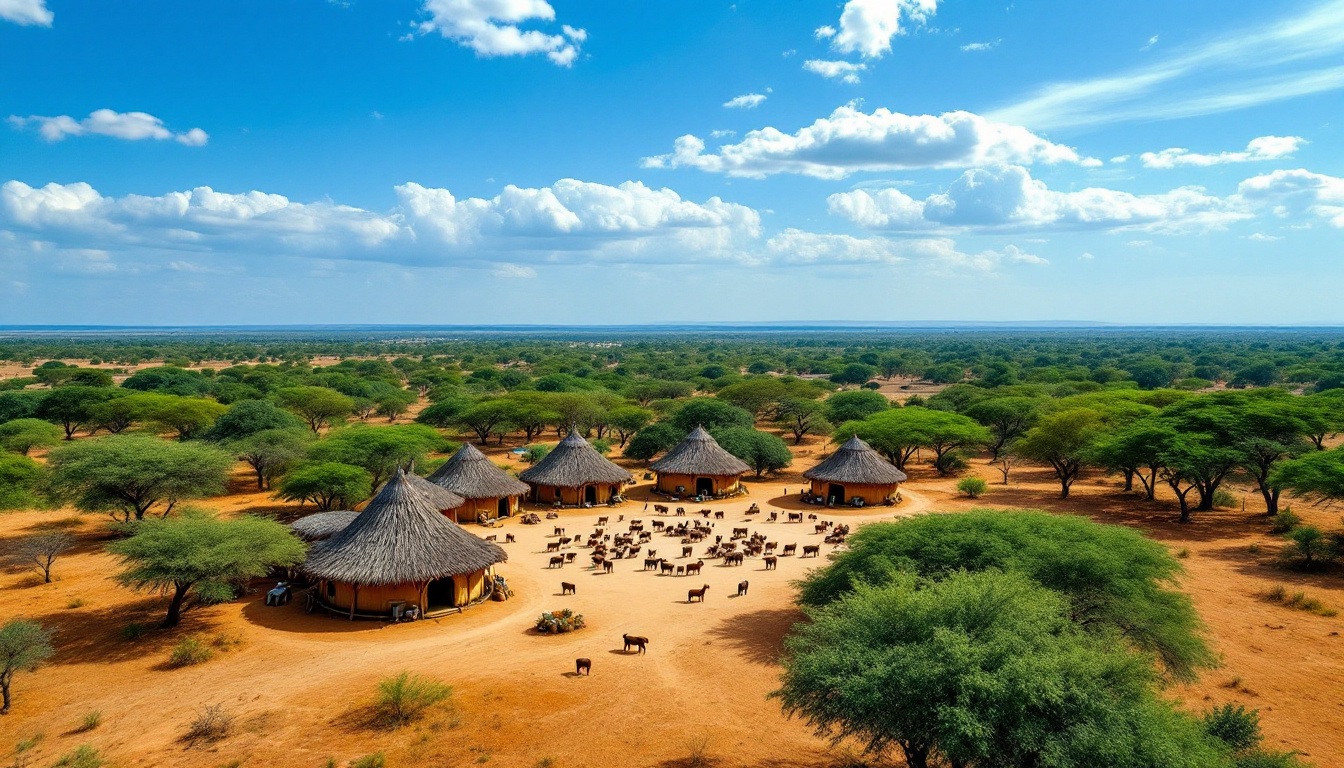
(559, 532)
(790, 549)
(686, 551)
(557, 560)
(509, 539)
(694, 568)
(552, 546)
(639, 642)
(566, 588)
(583, 666)
(811, 550)
(608, 566)
(697, 594)
(742, 589)
(771, 563)
(667, 567)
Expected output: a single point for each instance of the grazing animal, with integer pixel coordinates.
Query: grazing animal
(608, 566)
(509, 539)
(742, 589)
(557, 560)
(569, 556)
(583, 666)
(686, 551)
(566, 588)
(790, 549)
(492, 537)
(552, 546)
(740, 533)
(559, 531)
(774, 516)
(811, 550)
(694, 568)
(821, 527)
(667, 567)
(660, 509)
(565, 540)
(639, 642)
(812, 517)
(651, 562)
(697, 594)
(602, 520)
(795, 517)
(681, 570)
(771, 563)
(718, 515)
(681, 511)
(733, 558)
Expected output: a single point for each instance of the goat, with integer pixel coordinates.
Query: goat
(566, 588)
(583, 666)
(557, 560)
(694, 568)
(790, 549)
(639, 642)
(742, 589)
(697, 594)
(771, 563)
(812, 550)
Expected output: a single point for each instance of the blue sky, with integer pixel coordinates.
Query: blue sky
(524, 161)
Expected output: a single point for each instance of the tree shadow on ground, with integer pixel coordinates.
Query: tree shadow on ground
(101, 634)
(758, 636)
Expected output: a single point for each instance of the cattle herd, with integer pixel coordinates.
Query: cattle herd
(608, 545)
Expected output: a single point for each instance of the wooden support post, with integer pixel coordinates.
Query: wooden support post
(354, 601)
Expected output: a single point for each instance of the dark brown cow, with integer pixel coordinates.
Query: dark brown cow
(742, 589)
(694, 568)
(558, 560)
(771, 563)
(566, 588)
(639, 642)
(693, 595)
(790, 549)
(509, 539)
(583, 666)
(812, 550)
(608, 566)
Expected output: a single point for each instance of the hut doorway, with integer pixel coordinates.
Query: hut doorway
(704, 486)
(441, 593)
(503, 507)
(835, 494)
(590, 494)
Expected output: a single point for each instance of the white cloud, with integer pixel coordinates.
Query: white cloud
(1008, 198)
(724, 133)
(1227, 73)
(26, 12)
(745, 101)
(1151, 42)
(794, 247)
(1298, 193)
(494, 28)
(1086, 257)
(1260, 237)
(131, 126)
(1263, 148)
(825, 32)
(969, 47)
(849, 140)
(845, 71)
(1120, 159)
(514, 272)
(867, 26)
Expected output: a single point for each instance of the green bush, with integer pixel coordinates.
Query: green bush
(1225, 499)
(133, 631)
(188, 652)
(972, 486)
(1285, 521)
(405, 697)
(1234, 725)
(375, 760)
(1309, 548)
(83, 756)
(91, 719)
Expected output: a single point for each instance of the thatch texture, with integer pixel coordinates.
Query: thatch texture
(699, 454)
(471, 475)
(574, 463)
(322, 525)
(856, 463)
(400, 538)
(440, 497)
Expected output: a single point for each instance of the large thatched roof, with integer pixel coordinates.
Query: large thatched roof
(440, 497)
(471, 475)
(699, 454)
(857, 463)
(322, 525)
(399, 538)
(574, 463)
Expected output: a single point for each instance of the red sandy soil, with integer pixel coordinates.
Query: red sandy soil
(301, 685)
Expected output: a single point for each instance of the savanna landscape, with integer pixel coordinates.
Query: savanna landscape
(1206, 624)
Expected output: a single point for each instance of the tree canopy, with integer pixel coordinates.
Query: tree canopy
(128, 475)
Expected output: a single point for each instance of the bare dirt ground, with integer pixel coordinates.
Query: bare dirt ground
(300, 686)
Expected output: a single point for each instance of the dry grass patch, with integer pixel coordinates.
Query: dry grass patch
(1280, 595)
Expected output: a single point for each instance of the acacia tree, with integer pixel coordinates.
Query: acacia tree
(72, 407)
(761, 451)
(626, 420)
(1007, 418)
(1135, 451)
(485, 419)
(1062, 440)
(23, 435)
(128, 475)
(802, 418)
(1316, 476)
(319, 407)
(379, 450)
(328, 484)
(24, 645)
(201, 555)
(40, 550)
(271, 451)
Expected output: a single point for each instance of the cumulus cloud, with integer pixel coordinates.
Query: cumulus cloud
(26, 12)
(867, 26)
(844, 70)
(795, 247)
(494, 28)
(131, 126)
(849, 140)
(1008, 198)
(745, 101)
(1263, 148)
(1298, 193)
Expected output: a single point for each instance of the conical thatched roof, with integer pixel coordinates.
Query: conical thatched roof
(699, 454)
(399, 538)
(574, 463)
(322, 525)
(471, 475)
(856, 462)
(440, 497)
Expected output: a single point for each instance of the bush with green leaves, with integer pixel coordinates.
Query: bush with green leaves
(23, 435)
(20, 478)
(327, 484)
(1285, 521)
(1234, 725)
(83, 756)
(189, 652)
(129, 475)
(247, 418)
(405, 697)
(535, 453)
(973, 487)
(1309, 548)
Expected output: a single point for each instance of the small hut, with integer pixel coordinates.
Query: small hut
(444, 500)
(488, 490)
(321, 526)
(699, 466)
(855, 471)
(575, 473)
(401, 552)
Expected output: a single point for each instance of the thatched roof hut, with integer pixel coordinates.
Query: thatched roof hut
(322, 525)
(400, 538)
(442, 498)
(471, 475)
(855, 471)
(575, 473)
(700, 454)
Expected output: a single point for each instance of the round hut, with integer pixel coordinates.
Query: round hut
(488, 490)
(699, 466)
(321, 526)
(448, 503)
(855, 471)
(574, 474)
(401, 552)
